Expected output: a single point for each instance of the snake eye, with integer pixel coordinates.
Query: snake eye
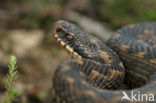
(70, 37)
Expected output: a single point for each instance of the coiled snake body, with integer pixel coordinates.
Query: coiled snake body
(106, 73)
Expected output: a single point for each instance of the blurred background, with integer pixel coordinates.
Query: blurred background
(25, 31)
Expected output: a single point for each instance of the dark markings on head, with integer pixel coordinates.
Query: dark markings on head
(78, 42)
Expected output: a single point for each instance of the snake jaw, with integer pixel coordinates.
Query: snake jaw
(69, 50)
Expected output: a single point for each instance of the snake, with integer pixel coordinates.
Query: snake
(122, 70)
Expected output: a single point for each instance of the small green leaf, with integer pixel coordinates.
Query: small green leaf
(10, 81)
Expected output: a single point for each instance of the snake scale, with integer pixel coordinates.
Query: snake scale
(106, 73)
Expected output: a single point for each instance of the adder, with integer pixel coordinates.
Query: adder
(106, 73)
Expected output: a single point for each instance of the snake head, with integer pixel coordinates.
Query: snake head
(75, 41)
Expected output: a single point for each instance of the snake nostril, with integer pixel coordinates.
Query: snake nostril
(58, 30)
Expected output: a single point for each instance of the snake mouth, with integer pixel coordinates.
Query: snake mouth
(67, 48)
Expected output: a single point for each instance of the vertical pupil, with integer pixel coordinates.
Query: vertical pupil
(69, 37)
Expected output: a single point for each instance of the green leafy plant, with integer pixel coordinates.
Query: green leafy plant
(10, 81)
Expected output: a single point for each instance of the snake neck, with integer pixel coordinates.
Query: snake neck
(99, 65)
